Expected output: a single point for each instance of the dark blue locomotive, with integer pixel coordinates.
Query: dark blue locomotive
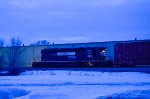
(73, 58)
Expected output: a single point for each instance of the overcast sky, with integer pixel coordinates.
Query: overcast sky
(69, 21)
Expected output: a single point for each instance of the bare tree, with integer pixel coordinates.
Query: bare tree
(2, 60)
(14, 54)
(1, 43)
(40, 42)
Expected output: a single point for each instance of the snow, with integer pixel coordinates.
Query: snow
(4, 72)
(9, 93)
(69, 84)
(136, 94)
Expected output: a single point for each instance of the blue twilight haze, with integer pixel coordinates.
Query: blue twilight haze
(69, 21)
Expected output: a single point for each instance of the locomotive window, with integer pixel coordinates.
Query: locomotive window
(103, 52)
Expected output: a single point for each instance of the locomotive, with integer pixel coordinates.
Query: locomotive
(73, 58)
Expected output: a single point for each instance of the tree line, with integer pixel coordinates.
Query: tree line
(18, 42)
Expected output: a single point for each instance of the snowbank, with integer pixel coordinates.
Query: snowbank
(69, 84)
(10, 93)
(136, 94)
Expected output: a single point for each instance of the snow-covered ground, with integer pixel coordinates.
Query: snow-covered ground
(67, 84)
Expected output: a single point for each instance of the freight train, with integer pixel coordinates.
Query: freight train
(126, 54)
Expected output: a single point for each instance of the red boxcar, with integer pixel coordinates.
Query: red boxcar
(132, 54)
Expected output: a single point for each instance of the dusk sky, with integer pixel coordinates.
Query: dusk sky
(70, 21)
